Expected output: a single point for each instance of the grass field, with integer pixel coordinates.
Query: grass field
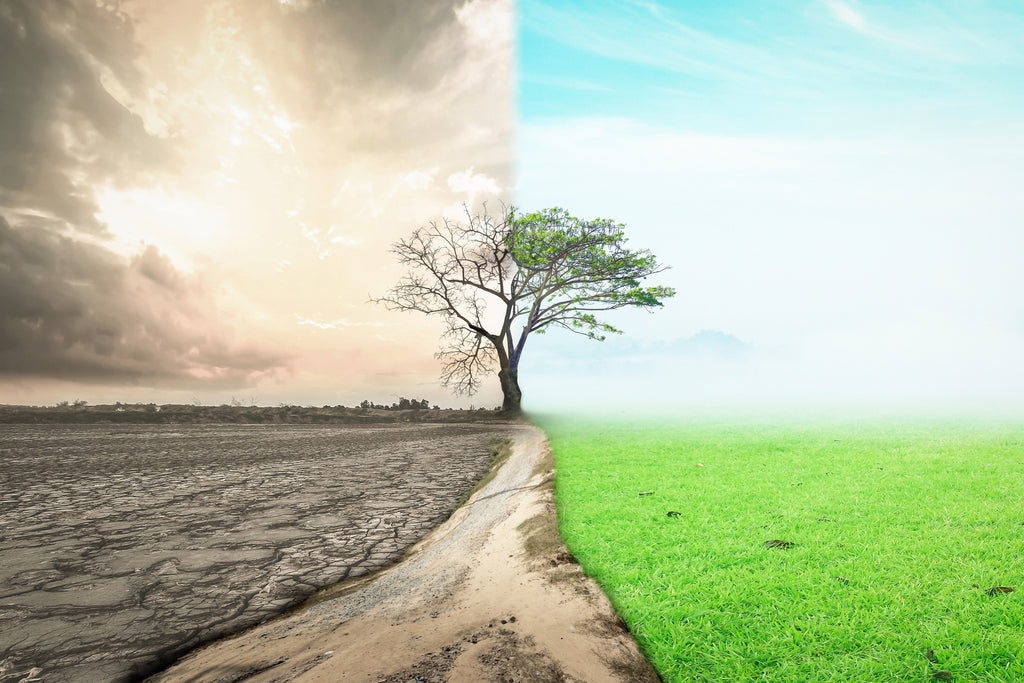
(899, 531)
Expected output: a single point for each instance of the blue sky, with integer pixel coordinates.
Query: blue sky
(836, 184)
(795, 68)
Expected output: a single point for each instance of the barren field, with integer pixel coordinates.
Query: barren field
(123, 546)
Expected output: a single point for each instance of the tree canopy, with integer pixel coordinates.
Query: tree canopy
(497, 280)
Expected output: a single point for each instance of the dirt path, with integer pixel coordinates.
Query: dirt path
(490, 595)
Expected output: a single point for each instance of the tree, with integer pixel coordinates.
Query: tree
(498, 280)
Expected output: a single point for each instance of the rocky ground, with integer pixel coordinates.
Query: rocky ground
(123, 546)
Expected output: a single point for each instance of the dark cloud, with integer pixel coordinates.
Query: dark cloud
(61, 132)
(364, 89)
(367, 46)
(72, 308)
(400, 73)
(76, 311)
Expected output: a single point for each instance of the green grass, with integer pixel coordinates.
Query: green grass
(899, 530)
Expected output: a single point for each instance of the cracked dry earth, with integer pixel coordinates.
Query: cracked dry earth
(124, 546)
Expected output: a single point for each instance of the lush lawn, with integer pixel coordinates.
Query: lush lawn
(899, 531)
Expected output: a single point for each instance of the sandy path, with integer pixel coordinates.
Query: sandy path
(490, 595)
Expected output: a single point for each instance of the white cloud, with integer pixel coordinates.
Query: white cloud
(566, 83)
(472, 184)
(488, 22)
(847, 15)
(184, 225)
(324, 239)
(335, 237)
(283, 123)
(340, 323)
(295, 5)
(418, 179)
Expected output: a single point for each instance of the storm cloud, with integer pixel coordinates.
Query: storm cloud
(61, 132)
(184, 185)
(74, 307)
(76, 311)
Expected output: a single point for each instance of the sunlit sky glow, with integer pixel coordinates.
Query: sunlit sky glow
(197, 198)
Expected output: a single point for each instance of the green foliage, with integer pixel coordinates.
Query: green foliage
(898, 530)
(497, 280)
(569, 267)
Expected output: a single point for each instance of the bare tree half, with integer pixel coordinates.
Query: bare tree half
(498, 279)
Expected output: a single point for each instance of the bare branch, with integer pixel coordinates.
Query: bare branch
(496, 280)
(467, 357)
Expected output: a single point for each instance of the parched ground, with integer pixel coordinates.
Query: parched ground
(123, 546)
(490, 595)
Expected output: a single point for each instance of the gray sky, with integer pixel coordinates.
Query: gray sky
(196, 198)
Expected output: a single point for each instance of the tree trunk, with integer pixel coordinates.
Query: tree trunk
(512, 395)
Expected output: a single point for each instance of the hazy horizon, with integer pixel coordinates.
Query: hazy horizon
(833, 184)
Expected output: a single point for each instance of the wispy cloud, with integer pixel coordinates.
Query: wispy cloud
(340, 323)
(933, 34)
(486, 21)
(846, 14)
(472, 183)
(824, 59)
(570, 83)
(610, 31)
(418, 179)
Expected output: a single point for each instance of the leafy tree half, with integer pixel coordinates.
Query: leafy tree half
(498, 280)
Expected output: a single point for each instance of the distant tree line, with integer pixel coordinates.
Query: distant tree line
(78, 403)
(403, 404)
(405, 410)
